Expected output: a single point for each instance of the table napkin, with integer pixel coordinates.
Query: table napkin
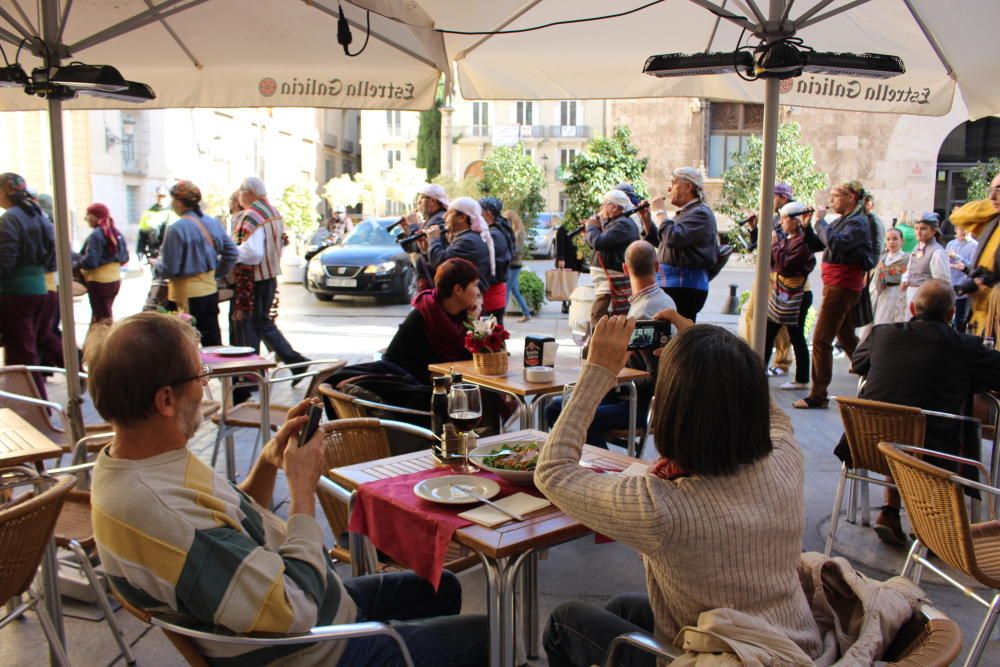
(519, 503)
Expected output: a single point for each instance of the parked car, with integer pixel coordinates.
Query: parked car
(368, 262)
(544, 234)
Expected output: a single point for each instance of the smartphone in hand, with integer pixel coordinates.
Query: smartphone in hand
(309, 430)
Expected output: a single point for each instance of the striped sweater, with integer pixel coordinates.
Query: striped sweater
(175, 536)
(707, 542)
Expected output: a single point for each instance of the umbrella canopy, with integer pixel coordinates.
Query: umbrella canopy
(234, 53)
(948, 48)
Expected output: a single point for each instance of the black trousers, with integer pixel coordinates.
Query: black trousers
(797, 336)
(258, 326)
(689, 301)
(205, 311)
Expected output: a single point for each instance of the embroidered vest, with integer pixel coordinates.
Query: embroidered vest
(920, 267)
(262, 214)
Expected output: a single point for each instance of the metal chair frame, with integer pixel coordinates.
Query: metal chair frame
(859, 476)
(225, 431)
(917, 558)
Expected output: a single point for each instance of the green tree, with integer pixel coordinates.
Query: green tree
(298, 208)
(511, 175)
(429, 141)
(604, 163)
(979, 176)
(741, 182)
(467, 187)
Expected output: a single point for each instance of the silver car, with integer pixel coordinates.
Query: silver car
(544, 234)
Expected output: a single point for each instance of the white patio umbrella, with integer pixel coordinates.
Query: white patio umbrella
(950, 51)
(211, 53)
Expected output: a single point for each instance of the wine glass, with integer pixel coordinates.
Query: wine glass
(580, 333)
(465, 409)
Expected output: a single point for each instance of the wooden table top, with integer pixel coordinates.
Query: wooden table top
(514, 382)
(20, 442)
(545, 528)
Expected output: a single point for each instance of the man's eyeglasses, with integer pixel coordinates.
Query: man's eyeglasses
(206, 371)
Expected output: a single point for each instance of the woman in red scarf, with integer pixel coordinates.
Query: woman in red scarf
(434, 331)
(100, 261)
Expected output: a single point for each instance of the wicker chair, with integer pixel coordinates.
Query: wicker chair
(19, 392)
(26, 527)
(866, 423)
(346, 406)
(182, 637)
(248, 414)
(935, 500)
(350, 441)
(937, 641)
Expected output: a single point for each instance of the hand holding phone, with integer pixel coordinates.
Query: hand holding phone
(309, 430)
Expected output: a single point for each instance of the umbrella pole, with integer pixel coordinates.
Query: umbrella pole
(64, 253)
(765, 212)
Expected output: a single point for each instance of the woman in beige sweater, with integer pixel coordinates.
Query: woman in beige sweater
(718, 520)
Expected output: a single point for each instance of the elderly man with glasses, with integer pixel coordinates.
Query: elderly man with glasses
(610, 233)
(175, 536)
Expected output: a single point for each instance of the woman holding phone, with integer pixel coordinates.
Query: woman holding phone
(729, 482)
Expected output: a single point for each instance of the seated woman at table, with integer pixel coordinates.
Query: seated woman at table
(718, 519)
(434, 331)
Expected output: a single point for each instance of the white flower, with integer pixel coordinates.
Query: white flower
(484, 327)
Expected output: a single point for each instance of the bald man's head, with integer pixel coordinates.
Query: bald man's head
(640, 258)
(936, 300)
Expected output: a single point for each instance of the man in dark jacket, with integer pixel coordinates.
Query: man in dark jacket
(846, 260)
(462, 240)
(609, 233)
(431, 205)
(688, 245)
(926, 364)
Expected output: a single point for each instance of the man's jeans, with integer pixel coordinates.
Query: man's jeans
(435, 634)
(835, 320)
(611, 415)
(578, 635)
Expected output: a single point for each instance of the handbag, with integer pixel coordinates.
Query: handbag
(863, 312)
(621, 289)
(560, 283)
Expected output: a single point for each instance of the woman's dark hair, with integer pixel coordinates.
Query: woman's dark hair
(894, 229)
(712, 408)
(452, 273)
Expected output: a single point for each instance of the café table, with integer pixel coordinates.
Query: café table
(506, 551)
(529, 394)
(21, 443)
(227, 368)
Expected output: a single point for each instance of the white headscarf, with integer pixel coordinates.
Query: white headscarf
(471, 208)
(619, 199)
(435, 191)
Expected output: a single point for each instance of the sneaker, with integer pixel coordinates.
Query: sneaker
(776, 372)
(524, 318)
(794, 385)
(888, 527)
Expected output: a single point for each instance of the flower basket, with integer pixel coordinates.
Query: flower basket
(491, 363)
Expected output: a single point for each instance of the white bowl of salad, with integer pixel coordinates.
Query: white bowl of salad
(514, 460)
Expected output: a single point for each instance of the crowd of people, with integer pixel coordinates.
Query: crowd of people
(175, 535)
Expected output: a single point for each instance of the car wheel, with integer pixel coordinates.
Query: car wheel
(408, 286)
(323, 296)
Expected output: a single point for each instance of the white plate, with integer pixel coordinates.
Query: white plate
(436, 489)
(228, 350)
(522, 477)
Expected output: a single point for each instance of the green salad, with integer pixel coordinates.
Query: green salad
(522, 456)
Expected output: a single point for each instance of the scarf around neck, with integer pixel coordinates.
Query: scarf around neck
(445, 333)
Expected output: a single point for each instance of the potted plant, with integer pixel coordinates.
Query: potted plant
(485, 340)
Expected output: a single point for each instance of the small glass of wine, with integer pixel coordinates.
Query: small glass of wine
(465, 409)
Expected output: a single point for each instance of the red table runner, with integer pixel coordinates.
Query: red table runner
(412, 531)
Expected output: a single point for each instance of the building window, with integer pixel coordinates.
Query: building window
(525, 113)
(393, 123)
(529, 152)
(563, 202)
(132, 206)
(730, 126)
(480, 119)
(567, 112)
(328, 170)
(394, 207)
(346, 167)
(566, 156)
(393, 158)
